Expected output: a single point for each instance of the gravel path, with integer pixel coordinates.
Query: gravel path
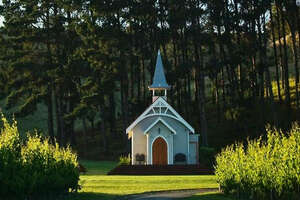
(169, 195)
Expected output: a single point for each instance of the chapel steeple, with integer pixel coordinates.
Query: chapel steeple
(159, 79)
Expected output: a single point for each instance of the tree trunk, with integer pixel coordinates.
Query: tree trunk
(58, 119)
(139, 86)
(85, 137)
(112, 114)
(262, 62)
(50, 89)
(144, 79)
(223, 89)
(217, 99)
(124, 103)
(201, 102)
(275, 55)
(203, 122)
(265, 63)
(280, 46)
(295, 51)
(253, 78)
(286, 64)
(269, 84)
(103, 132)
(50, 114)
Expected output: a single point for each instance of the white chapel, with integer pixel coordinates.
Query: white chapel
(160, 136)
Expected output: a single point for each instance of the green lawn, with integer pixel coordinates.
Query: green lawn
(209, 196)
(97, 186)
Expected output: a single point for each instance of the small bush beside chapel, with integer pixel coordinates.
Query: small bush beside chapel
(33, 168)
(262, 169)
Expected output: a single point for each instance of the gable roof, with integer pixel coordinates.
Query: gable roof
(159, 78)
(160, 107)
(162, 121)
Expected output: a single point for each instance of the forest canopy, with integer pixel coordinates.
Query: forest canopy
(233, 64)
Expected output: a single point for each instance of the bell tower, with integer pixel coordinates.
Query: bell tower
(159, 83)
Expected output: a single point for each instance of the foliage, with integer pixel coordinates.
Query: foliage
(125, 160)
(91, 61)
(262, 169)
(11, 176)
(207, 156)
(36, 168)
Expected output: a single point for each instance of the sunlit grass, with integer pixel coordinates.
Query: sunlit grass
(123, 185)
(96, 185)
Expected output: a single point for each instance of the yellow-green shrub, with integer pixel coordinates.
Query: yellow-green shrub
(125, 160)
(11, 180)
(35, 169)
(262, 170)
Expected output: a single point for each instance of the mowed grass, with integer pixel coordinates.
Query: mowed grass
(97, 185)
(123, 185)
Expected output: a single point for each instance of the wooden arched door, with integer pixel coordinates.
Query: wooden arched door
(159, 152)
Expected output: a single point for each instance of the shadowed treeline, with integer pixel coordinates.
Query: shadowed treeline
(233, 66)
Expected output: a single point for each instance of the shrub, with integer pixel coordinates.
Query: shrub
(207, 156)
(125, 160)
(262, 170)
(11, 176)
(35, 169)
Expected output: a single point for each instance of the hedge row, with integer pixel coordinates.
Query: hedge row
(34, 169)
(260, 169)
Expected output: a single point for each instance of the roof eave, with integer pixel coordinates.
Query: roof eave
(163, 122)
(141, 117)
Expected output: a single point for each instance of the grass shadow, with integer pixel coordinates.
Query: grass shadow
(91, 196)
(210, 196)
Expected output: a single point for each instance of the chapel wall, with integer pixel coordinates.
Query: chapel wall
(139, 139)
(180, 140)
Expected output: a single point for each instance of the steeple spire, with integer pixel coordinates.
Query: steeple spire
(159, 79)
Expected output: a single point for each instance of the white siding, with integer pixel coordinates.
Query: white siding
(193, 153)
(179, 143)
(139, 139)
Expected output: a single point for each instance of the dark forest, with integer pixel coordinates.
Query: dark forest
(233, 66)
